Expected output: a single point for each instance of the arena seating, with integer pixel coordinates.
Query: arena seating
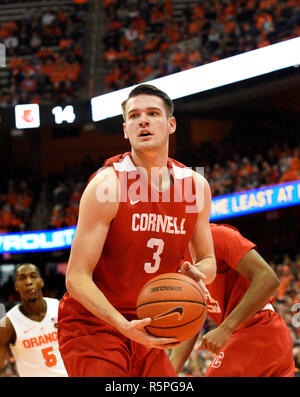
(155, 38)
(44, 51)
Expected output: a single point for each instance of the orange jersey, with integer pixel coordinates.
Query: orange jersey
(148, 236)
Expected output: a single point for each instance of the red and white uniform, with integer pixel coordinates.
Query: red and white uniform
(262, 346)
(148, 237)
(36, 349)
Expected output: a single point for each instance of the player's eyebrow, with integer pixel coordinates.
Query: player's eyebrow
(147, 109)
(31, 273)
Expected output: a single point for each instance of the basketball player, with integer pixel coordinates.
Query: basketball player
(129, 231)
(251, 339)
(29, 328)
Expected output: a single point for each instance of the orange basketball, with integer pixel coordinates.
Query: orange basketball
(176, 305)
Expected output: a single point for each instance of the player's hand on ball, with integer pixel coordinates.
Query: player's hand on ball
(136, 331)
(191, 271)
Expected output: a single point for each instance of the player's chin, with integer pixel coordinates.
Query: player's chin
(146, 146)
(32, 300)
(32, 297)
(149, 141)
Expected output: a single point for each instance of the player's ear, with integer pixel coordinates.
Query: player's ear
(125, 131)
(16, 286)
(172, 125)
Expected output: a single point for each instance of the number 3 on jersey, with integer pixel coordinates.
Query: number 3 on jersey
(158, 245)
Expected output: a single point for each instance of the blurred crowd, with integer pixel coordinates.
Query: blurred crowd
(28, 202)
(142, 40)
(253, 154)
(44, 53)
(149, 39)
(19, 193)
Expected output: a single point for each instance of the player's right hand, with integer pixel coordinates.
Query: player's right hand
(187, 269)
(135, 330)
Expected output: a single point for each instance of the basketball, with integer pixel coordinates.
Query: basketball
(176, 305)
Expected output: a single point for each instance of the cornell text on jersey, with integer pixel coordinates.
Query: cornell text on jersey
(157, 223)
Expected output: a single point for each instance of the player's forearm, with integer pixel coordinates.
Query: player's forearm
(82, 288)
(262, 287)
(181, 353)
(208, 267)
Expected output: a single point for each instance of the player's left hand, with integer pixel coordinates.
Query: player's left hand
(135, 330)
(190, 270)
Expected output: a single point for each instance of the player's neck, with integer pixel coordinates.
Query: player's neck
(156, 167)
(34, 310)
(150, 159)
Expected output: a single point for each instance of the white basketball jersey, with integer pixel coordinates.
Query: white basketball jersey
(36, 349)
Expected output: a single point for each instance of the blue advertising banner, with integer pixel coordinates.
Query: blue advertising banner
(256, 200)
(44, 240)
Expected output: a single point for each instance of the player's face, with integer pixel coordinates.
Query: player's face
(28, 283)
(147, 124)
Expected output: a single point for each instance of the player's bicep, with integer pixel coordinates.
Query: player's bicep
(87, 245)
(253, 264)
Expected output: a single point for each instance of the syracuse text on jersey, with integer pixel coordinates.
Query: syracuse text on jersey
(40, 340)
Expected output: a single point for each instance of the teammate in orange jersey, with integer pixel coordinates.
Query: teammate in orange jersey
(133, 224)
(30, 329)
(251, 339)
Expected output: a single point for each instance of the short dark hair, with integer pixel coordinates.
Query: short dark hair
(24, 264)
(148, 89)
